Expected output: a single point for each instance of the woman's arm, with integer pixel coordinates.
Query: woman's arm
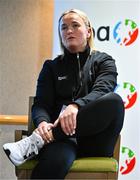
(44, 99)
(105, 79)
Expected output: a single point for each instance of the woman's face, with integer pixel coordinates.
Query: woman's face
(74, 33)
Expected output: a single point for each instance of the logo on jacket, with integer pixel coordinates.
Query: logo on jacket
(62, 78)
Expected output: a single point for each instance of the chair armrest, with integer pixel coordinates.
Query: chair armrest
(19, 134)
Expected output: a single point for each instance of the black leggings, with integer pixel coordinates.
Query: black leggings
(98, 125)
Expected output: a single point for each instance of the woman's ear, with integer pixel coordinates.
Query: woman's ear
(89, 33)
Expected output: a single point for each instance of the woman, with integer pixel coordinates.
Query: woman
(75, 111)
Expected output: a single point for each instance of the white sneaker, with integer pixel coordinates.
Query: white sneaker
(20, 151)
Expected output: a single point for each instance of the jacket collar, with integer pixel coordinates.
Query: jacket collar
(73, 56)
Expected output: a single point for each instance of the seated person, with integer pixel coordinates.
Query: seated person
(82, 80)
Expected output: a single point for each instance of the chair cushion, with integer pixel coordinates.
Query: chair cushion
(88, 164)
(30, 164)
(95, 164)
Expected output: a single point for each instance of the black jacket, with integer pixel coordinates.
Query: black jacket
(72, 78)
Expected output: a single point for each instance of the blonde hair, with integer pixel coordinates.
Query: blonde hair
(86, 21)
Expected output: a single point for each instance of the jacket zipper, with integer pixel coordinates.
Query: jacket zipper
(79, 69)
(75, 91)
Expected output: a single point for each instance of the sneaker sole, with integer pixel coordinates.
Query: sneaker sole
(7, 152)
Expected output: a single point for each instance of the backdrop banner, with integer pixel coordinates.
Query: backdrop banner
(116, 27)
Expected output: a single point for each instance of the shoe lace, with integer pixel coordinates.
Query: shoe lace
(28, 148)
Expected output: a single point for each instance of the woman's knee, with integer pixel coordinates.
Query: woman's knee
(117, 111)
(113, 101)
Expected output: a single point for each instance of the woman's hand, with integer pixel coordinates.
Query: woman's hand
(67, 119)
(44, 130)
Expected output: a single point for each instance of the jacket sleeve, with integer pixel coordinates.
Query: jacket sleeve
(44, 99)
(105, 79)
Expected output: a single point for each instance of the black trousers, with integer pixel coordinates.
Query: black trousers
(98, 125)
